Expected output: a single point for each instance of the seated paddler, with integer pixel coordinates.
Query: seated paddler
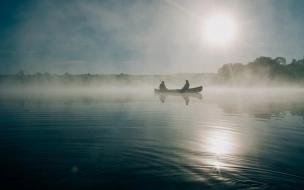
(186, 87)
(162, 86)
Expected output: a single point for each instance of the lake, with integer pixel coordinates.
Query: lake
(119, 139)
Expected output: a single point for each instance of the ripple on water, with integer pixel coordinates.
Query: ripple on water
(144, 145)
(152, 167)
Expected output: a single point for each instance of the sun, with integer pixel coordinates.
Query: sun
(219, 30)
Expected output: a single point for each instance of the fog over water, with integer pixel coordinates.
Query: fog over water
(222, 138)
(81, 106)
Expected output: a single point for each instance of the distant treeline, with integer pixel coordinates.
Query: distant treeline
(263, 71)
(90, 80)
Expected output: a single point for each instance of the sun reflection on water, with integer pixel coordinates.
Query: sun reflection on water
(217, 164)
(220, 143)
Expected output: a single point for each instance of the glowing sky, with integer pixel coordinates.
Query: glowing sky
(143, 37)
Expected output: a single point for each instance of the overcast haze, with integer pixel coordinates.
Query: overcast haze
(143, 37)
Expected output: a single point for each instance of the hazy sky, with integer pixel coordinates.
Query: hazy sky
(143, 37)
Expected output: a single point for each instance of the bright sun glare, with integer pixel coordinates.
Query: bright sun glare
(219, 143)
(219, 30)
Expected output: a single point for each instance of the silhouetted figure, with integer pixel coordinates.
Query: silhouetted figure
(162, 86)
(186, 87)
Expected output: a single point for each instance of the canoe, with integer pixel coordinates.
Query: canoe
(190, 90)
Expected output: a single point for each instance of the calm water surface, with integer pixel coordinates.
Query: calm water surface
(219, 139)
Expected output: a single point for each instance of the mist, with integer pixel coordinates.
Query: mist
(142, 37)
(263, 72)
(152, 94)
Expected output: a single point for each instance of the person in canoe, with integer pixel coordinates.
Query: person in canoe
(186, 87)
(162, 86)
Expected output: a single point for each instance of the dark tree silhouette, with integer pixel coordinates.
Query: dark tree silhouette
(280, 60)
(263, 70)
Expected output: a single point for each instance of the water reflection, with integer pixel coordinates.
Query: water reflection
(263, 106)
(259, 103)
(126, 140)
(185, 96)
(220, 143)
(264, 110)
